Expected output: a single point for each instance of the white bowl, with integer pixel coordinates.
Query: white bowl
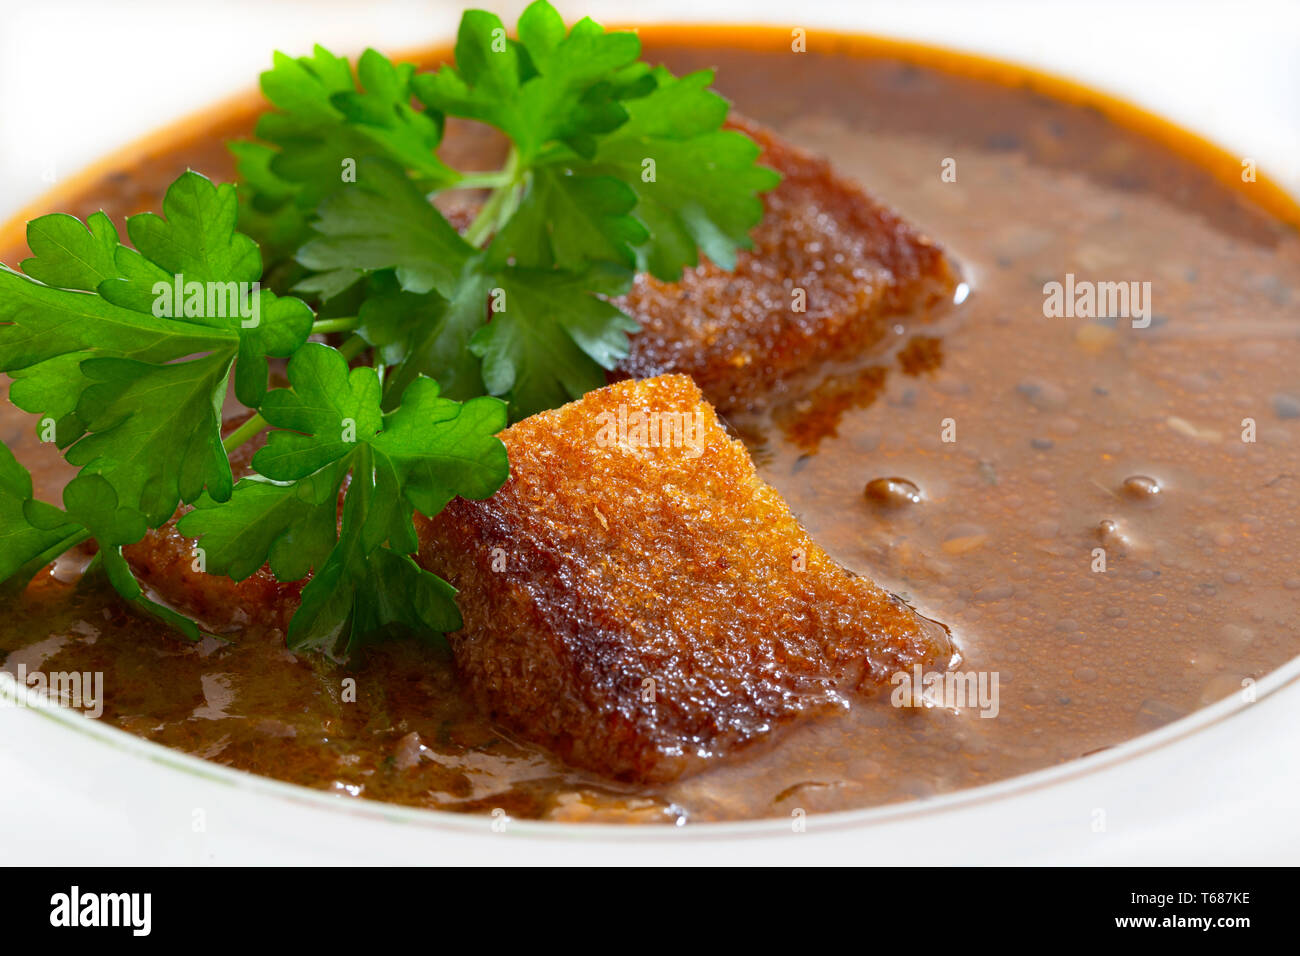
(1215, 787)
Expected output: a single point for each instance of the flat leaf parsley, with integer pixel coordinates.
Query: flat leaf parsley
(127, 351)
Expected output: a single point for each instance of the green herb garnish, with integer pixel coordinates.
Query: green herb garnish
(612, 167)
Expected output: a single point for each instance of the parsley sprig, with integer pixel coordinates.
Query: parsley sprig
(614, 166)
(442, 335)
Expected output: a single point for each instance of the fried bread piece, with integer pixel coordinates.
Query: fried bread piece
(637, 599)
(166, 563)
(739, 334)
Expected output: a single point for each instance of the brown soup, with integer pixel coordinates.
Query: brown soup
(1069, 435)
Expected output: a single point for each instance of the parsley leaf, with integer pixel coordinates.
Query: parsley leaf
(69, 255)
(551, 333)
(33, 532)
(696, 184)
(289, 525)
(135, 392)
(384, 222)
(326, 122)
(571, 221)
(357, 594)
(330, 430)
(425, 334)
(613, 167)
(545, 86)
(23, 541)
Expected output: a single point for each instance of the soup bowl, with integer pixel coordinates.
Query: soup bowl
(1213, 787)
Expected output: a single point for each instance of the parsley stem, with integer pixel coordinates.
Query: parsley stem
(353, 347)
(243, 433)
(344, 323)
(489, 217)
(485, 180)
(54, 551)
(350, 349)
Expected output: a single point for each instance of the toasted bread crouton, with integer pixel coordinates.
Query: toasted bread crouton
(856, 265)
(638, 600)
(167, 563)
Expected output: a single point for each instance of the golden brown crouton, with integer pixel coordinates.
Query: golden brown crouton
(164, 561)
(739, 334)
(638, 600)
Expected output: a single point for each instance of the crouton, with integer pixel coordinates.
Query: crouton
(856, 265)
(165, 562)
(636, 599)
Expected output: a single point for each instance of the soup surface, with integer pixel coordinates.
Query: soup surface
(1032, 442)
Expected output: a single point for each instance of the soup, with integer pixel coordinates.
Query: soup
(1101, 510)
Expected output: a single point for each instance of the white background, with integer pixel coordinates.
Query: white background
(80, 78)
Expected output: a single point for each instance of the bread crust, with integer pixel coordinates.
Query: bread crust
(859, 267)
(644, 611)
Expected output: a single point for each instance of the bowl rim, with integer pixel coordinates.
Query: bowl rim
(1268, 192)
(13, 696)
